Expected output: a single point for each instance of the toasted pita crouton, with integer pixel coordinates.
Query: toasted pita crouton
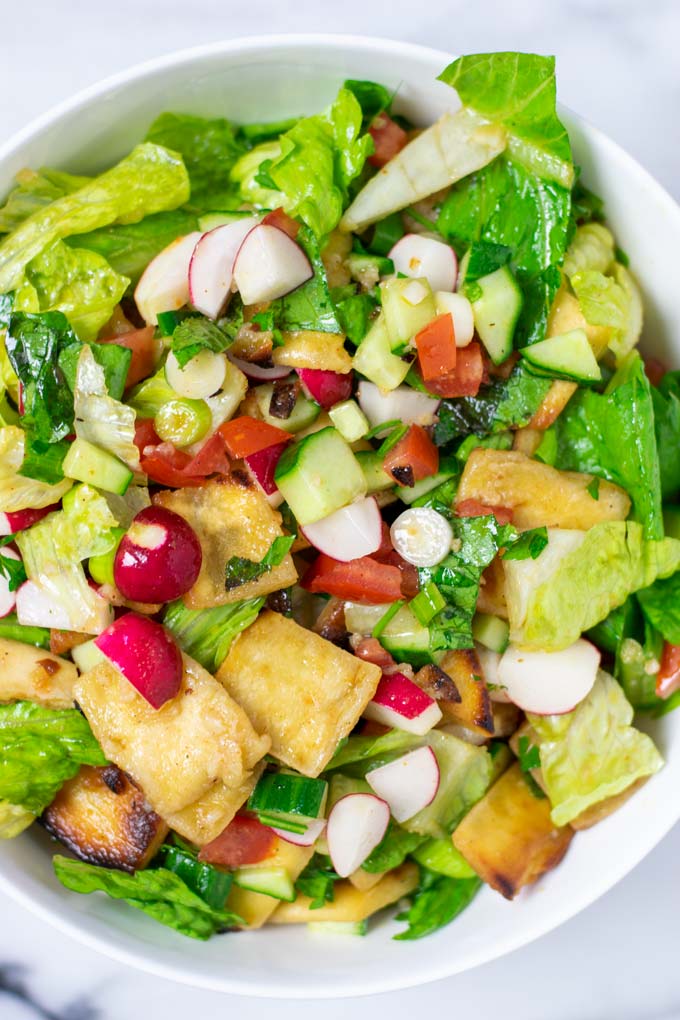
(256, 908)
(32, 674)
(350, 904)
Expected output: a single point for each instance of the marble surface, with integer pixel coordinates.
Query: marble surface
(617, 64)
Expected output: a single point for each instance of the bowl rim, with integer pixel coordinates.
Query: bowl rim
(438, 969)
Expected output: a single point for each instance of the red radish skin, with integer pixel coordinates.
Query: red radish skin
(159, 558)
(399, 702)
(408, 784)
(327, 388)
(356, 824)
(146, 655)
(211, 269)
(262, 466)
(19, 520)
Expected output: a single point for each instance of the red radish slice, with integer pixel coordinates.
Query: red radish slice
(408, 784)
(356, 824)
(269, 264)
(418, 256)
(348, 533)
(549, 683)
(19, 520)
(306, 838)
(211, 270)
(400, 703)
(159, 557)
(37, 607)
(407, 405)
(261, 466)
(164, 284)
(460, 309)
(327, 388)
(421, 536)
(8, 599)
(146, 655)
(260, 372)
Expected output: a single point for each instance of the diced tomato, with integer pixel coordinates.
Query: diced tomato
(473, 508)
(361, 580)
(145, 434)
(467, 376)
(279, 218)
(668, 677)
(144, 352)
(244, 841)
(370, 650)
(167, 465)
(388, 139)
(413, 458)
(211, 459)
(436, 345)
(245, 435)
(655, 370)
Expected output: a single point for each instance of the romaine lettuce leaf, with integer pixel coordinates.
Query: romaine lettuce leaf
(592, 753)
(309, 307)
(371, 96)
(206, 634)
(591, 248)
(34, 190)
(437, 901)
(158, 892)
(660, 604)
(98, 418)
(13, 819)
(150, 180)
(16, 491)
(392, 850)
(666, 400)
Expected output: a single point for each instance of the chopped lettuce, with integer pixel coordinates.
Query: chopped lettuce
(393, 849)
(592, 753)
(318, 881)
(160, 893)
(149, 180)
(579, 578)
(309, 307)
(33, 191)
(100, 419)
(591, 248)
(206, 634)
(666, 400)
(437, 901)
(371, 96)
(18, 492)
(13, 819)
(660, 604)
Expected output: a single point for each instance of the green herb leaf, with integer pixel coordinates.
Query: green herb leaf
(309, 307)
(33, 344)
(239, 569)
(12, 570)
(594, 488)
(661, 606)
(436, 903)
(195, 334)
(393, 849)
(529, 545)
(317, 881)
(43, 461)
(372, 97)
(529, 755)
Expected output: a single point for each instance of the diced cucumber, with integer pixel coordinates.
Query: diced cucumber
(274, 882)
(349, 420)
(371, 463)
(288, 794)
(338, 927)
(501, 759)
(360, 265)
(361, 619)
(304, 413)
(406, 639)
(101, 567)
(87, 656)
(568, 356)
(448, 468)
(496, 303)
(374, 358)
(219, 219)
(89, 463)
(319, 475)
(408, 306)
(671, 521)
(491, 631)
(440, 855)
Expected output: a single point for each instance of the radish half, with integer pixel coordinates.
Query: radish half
(306, 838)
(549, 683)
(408, 784)
(421, 536)
(403, 403)
(348, 533)
(146, 655)
(164, 284)
(8, 599)
(327, 388)
(269, 264)
(418, 256)
(211, 270)
(400, 703)
(356, 824)
(158, 558)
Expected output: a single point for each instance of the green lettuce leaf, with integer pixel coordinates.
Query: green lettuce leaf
(33, 345)
(17, 492)
(372, 97)
(666, 400)
(13, 819)
(358, 750)
(436, 902)
(592, 753)
(158, 892)
(591, 248)
(660, 604)
(40, 748)
(35, 190)
(114, 360)
(98, 418)
(150, 180)
(318, 881)
(393, 849)
(579, 578)
(206, 634)
(309, 307)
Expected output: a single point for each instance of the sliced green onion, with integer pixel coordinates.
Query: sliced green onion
(377, 429)
(427, 603)
(394, 437)
(183, 422)
(15, 631)
(167, 322)
(386, 617)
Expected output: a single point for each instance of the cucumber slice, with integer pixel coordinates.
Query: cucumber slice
(304, 413)
(408, 306)
(568, 356)
(101, 567)
(409, 494)
(361, 619)
(374, 358)
(274, 882)
(371, 463)
(440, 855)
(87, 656)
(349, 420)
(89, 463)
(496, 303)
(318, 475)
(283, 793)
(491, 631)
(406, 639)
(361, 265)
(338, 927)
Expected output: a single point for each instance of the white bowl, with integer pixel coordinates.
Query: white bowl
(268, 78)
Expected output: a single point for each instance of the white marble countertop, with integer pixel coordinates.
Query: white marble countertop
(617, 64)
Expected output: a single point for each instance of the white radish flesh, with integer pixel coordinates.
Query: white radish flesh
(306, 838)
(348, 533)
(549, 683)
(460, 309)
(418, 256)
(421, 536)
(211, 270)
(356, 824)
(400, 703)
(37, 607)
(164, 284)
(8, 599)
(269, 264)
(489, 661)
(408, 784)
(200, 377)
(405, 404)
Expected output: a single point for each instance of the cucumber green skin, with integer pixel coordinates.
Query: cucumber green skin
(406, 639)
(304, 413)
(101, 567)
(559, 357)
(274, 882)
(409, 494)
(289, 795)
(402, 319)
(319, 475)
(357, 264)
(87, 463)
(371, 463)
(496, 312)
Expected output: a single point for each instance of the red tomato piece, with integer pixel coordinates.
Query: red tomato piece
(279, 218)
(388, 138)
(361, 580)
(245, 435)
(145, 434)
(413, 458)
(166, 465)
(467, 376)
(655, 370)
(211, 459)
(244, 841)
(144, 352)
(473, 508)
(668, 677)
(436, 345)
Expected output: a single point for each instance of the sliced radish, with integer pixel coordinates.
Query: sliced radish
(348, 533)
(327, 388)
(38, 607)
(408, 784)
(269, 264)
(549, 683)
(8, 599)
(19, 520)
(356, 824)
(159, 557)
(306, 838)
(202, 376)
(146, 655)
(261, 466)
(405, 404)
(164, 284)
(418, 256)
(421, 536)
(460, 309)
(490, 661)
(260, 372)
(211, 270)
(400, 703)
